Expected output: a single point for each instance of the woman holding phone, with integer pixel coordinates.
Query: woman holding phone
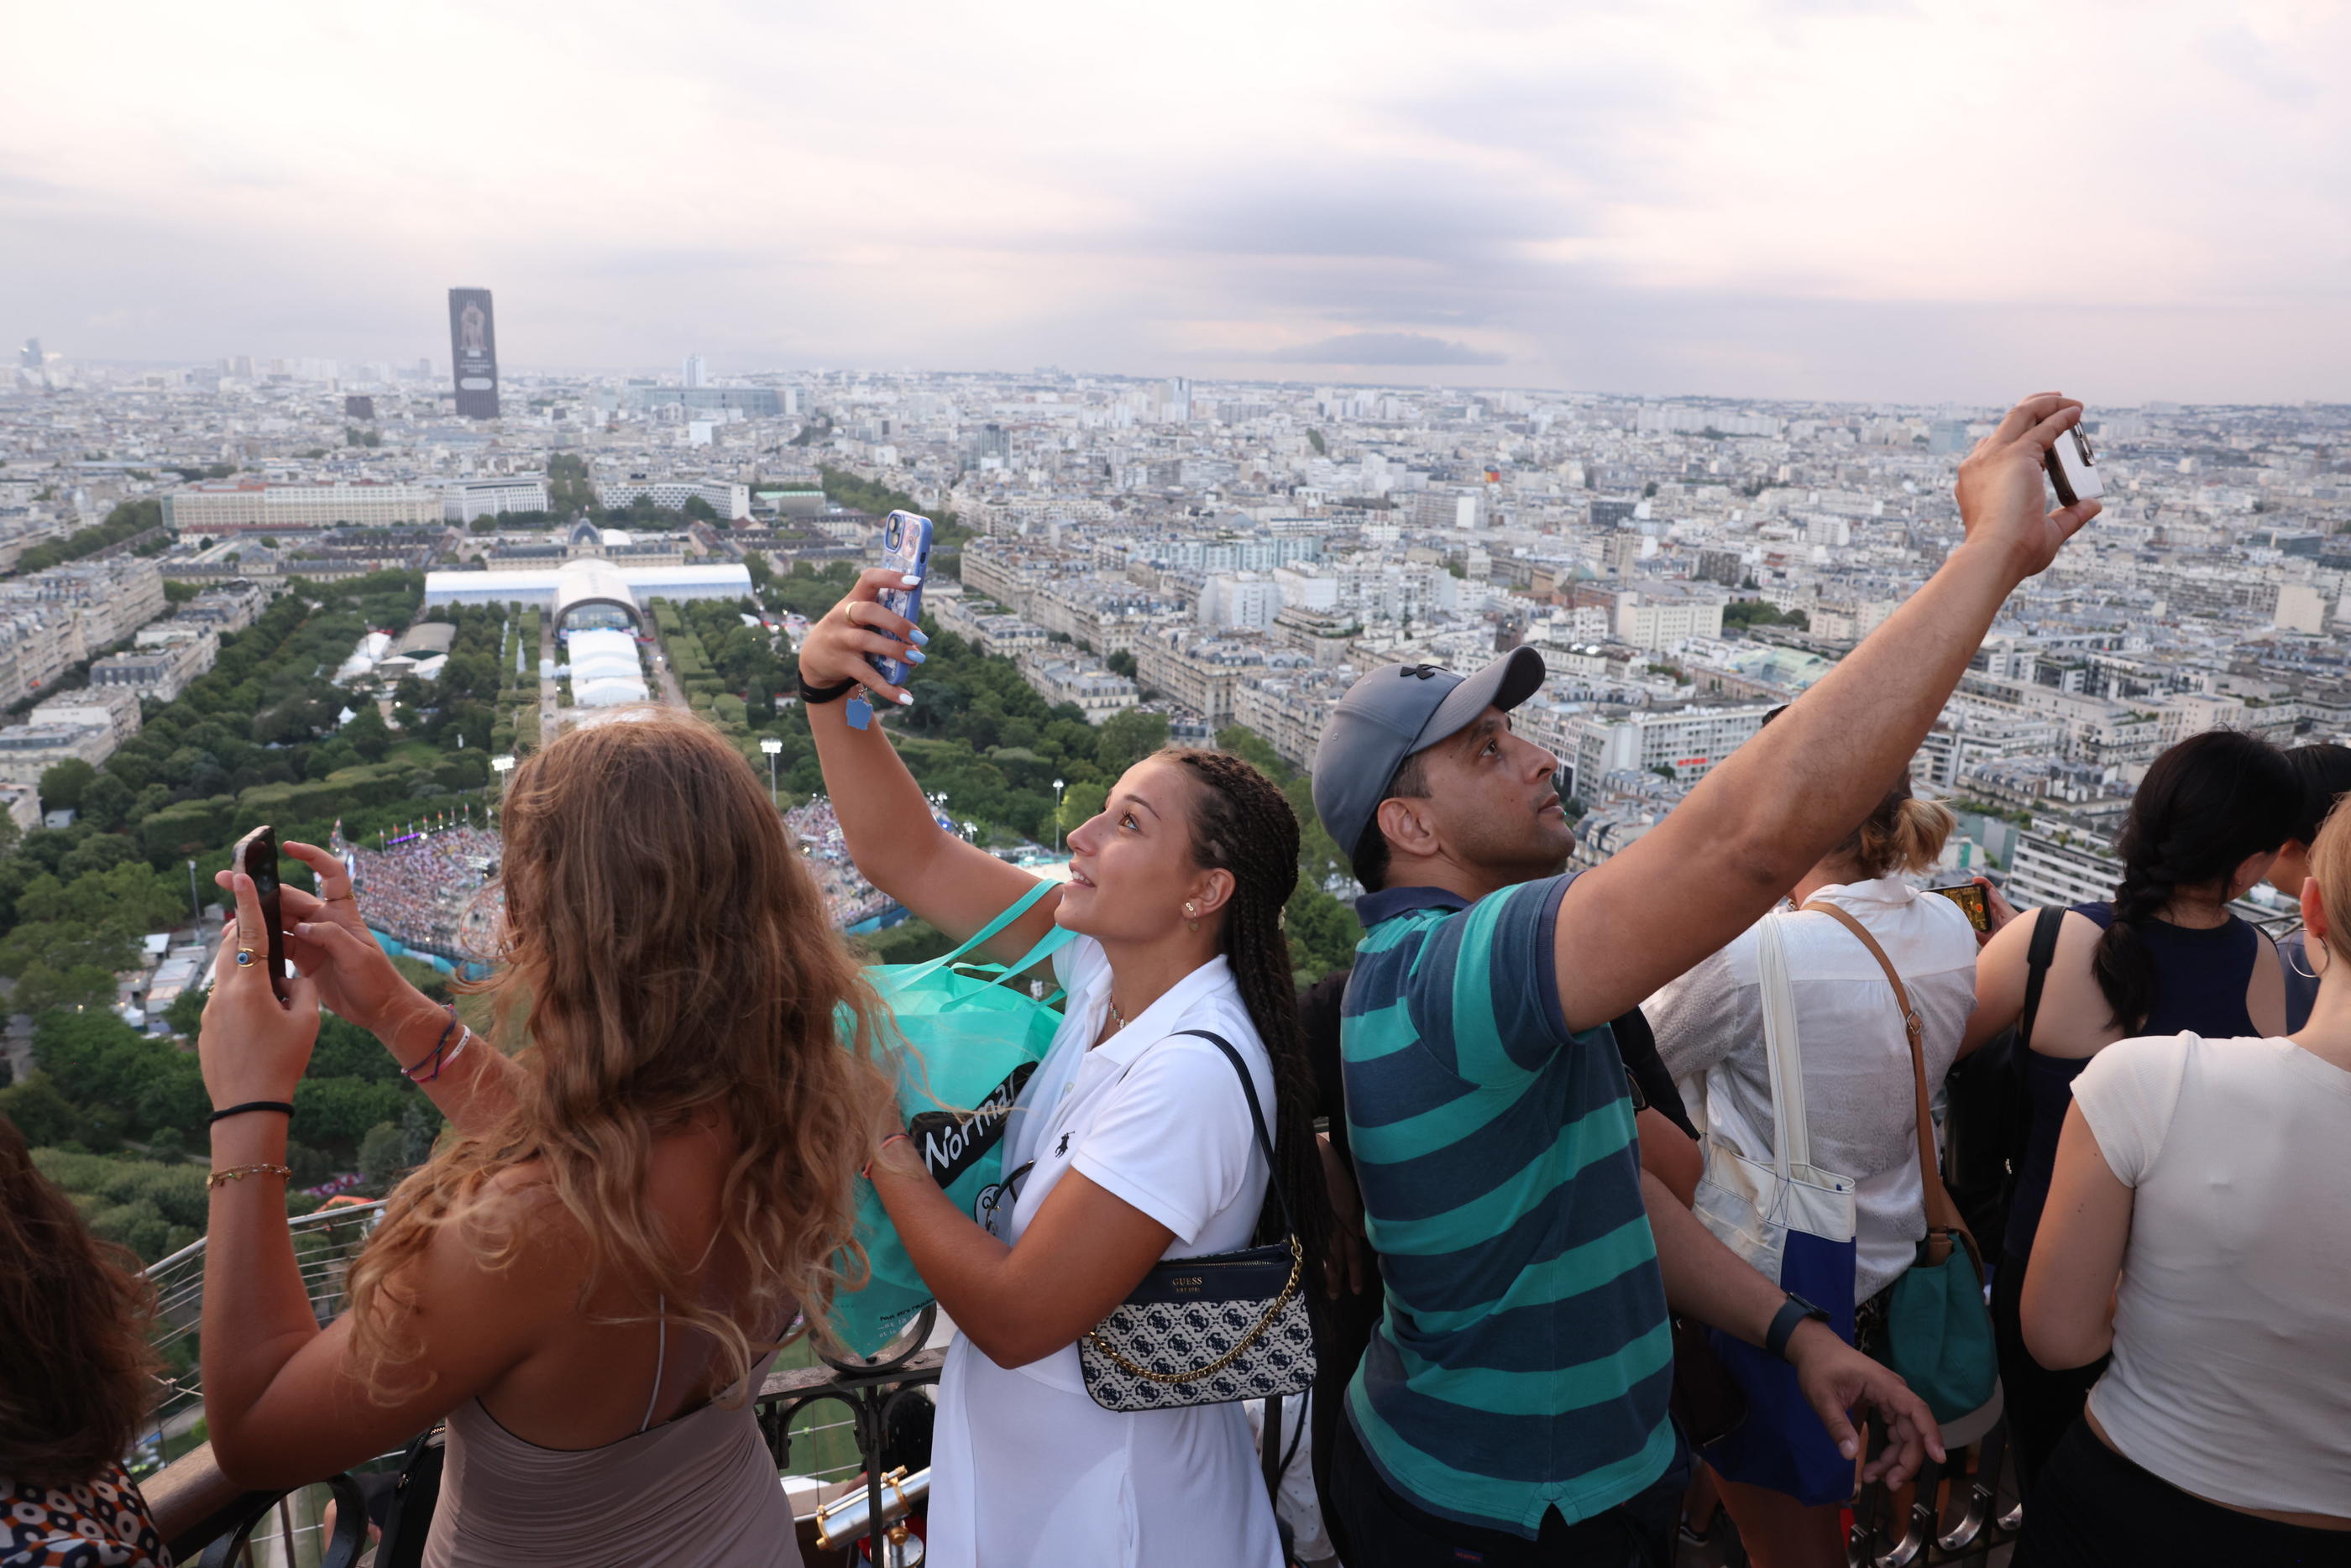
(589, 1276)
(1133, 1141)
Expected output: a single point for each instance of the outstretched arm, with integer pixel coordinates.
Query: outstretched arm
(897, 845)
(1727, 853)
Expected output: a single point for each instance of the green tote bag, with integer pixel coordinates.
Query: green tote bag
(970, 1044)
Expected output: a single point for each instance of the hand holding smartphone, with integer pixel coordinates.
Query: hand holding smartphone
(2074, 469)
(256, 855)
(1970, 898)
(906, 550)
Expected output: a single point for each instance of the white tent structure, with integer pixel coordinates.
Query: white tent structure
(605, 669)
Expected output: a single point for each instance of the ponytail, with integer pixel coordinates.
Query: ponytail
(1903, 834)
(1242, 823)
(2206, 806)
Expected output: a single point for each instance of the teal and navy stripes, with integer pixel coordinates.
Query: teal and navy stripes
(1522, 1359)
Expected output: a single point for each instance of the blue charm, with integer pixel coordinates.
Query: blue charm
(860, 713)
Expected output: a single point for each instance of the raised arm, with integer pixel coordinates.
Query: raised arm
(897, 845)
(279, 1401)
(1742, 837)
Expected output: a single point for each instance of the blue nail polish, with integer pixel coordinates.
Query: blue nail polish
(915, 656)
(922, 640)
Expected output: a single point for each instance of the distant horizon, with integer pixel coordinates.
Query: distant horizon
(510, 372)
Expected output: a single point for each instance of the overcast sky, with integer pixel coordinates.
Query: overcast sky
(1837, 198)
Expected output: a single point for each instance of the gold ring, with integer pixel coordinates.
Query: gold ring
(245, 958)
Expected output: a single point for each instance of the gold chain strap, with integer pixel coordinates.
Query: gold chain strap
(1297, 1267)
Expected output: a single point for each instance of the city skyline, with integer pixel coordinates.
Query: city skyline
(1765, 201)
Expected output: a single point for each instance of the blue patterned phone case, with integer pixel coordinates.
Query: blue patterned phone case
(906, 548)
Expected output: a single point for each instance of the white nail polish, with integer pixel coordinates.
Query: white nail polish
(911, 582)
(905, 699)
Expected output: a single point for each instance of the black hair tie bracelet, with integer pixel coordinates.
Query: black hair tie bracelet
(280, 1105)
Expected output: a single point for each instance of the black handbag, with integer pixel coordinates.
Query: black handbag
(1209, 1330)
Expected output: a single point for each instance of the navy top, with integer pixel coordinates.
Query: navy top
(2200, 978)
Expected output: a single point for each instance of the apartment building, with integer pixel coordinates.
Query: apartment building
(1094, 691)
(108, 707)
(464, 499)
(259, 506)
(1660, 615)
(725, 497)
(26, 751)
(1686, 742)
(1289, 710)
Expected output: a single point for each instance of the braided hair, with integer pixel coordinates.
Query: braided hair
(2206, 805)
(1241, 823)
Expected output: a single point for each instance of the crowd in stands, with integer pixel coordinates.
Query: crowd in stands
(1625, 1199)
(816, 829)
(426, 892)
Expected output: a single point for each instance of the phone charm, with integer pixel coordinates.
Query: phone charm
(860, 711)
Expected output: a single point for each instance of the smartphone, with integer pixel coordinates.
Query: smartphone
(256, 855)
(2073, 468)
(906, 548)
(1969, 896)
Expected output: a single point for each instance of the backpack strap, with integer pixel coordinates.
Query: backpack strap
(2037, 959)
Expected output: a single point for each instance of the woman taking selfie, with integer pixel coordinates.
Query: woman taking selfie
(1142, 1141)
(589, 1277)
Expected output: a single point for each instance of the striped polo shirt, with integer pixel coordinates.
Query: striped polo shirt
(1522, 1358)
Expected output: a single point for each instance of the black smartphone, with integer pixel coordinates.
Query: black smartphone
(1969, 896)
(256, 855)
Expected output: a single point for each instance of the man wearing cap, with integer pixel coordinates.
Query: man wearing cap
(1511, 1406)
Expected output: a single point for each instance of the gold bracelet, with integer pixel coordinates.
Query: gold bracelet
(235, 1171)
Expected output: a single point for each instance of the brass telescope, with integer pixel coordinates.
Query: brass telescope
(843, 1519)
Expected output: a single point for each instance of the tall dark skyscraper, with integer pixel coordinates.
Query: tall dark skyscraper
(474, 353)
(29, 357)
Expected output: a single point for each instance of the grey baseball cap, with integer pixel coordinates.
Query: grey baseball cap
(1394, 711)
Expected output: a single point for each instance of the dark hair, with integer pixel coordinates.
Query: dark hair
(1370, 860)
(2325, 773)
(77, 1375)
(1242, 823)
(2205, 806)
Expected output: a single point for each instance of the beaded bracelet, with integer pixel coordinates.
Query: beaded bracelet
(234, 1172)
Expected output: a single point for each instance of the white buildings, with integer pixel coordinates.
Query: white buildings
(253, 506)
(729, 501)
(1661, 614)
(462, 500)
(1245, 601)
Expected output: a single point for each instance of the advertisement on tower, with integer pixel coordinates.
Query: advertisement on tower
(474, 353)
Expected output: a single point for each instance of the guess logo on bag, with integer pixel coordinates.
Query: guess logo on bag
(1185, 1283)
(953, 1141)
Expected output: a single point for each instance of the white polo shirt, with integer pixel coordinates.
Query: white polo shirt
(1025, 1466)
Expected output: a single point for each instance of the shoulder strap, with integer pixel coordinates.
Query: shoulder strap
(1942, 1214)
(1256, 1117)
(2046, 925)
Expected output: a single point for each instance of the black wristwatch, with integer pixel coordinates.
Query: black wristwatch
(817, 696)
(1794, 1311)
